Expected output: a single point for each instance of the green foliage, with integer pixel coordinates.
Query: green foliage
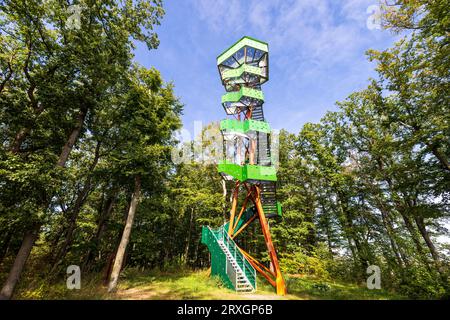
(366, 185)
(314, 264)
(300, 263)
(55, 82)
(311, 288)
(419, 283)
(370, 181)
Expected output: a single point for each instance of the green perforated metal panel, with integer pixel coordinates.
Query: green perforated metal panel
(210, 238)
(279, 209)
(233, 170)
(255, 125)
(248, 172)
(236, 96)
(245, 126)
(263, 173)
(236, 73)
(218, 257)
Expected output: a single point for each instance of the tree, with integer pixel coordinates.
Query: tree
(150, 113)
(54, 78)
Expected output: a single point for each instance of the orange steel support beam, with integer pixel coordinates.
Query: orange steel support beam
(253, 193)
(241, 212)
(244, 226)
(271, 281)
(248, 114)
(233, 208)
(257, 262)
(252, 151)
(280, 285)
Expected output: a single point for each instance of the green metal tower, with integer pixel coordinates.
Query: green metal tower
(249, 164)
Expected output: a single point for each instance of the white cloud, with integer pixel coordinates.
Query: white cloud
(356, 10)
(220, 14)
(304, 29)
(311, 41)
(260, 15)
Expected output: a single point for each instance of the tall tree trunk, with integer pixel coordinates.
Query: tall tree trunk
(426, 236)
(189, 235)
(349, 229)
(311, 237)
(72, 139)
(437, 152)
(125, 236)
(416, 239)
(386, 215)
(391, 234)
(75, 211)
(406, 218)
(224, 194)
(434, 253)
(17, 268)
(79, 202)
(329, 242)
(110, 261)
(106, 212)
(327, 228)
(108, 267)
(197, 244)
(31, 235)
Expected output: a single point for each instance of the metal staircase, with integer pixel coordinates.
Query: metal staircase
(242, 284)
(228, 262)
(263, 149)
(258, 113)
(269, 201)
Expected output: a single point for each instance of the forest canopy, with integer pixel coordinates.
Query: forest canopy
(86, 175)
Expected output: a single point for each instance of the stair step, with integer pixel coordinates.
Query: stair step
(244, 273)
(269, 199)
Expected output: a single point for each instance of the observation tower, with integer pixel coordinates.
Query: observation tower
(248, 164)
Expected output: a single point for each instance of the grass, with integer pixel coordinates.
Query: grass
(196, 285)
(317, 289)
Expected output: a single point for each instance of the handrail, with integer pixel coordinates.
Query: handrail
(234, 250)
(244, 259)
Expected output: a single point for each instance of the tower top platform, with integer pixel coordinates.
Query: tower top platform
(259, 46)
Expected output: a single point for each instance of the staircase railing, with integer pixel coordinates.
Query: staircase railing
(248, 271)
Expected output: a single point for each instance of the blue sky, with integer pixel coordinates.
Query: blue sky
(317, 53)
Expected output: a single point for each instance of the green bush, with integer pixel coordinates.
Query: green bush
(301, 263)
(418, 283)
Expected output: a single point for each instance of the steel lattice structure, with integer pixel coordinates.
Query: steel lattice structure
(248, 163)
